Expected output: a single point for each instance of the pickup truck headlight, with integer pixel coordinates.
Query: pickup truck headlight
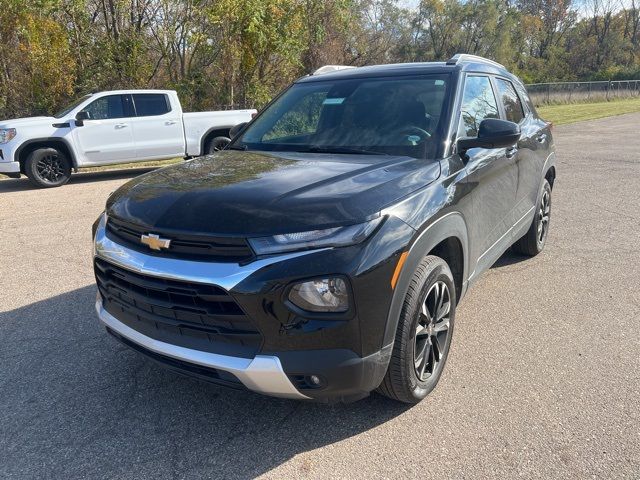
(329, 237)
(7, 134)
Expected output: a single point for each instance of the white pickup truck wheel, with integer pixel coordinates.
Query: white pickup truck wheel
(48, 167)
(216, 144)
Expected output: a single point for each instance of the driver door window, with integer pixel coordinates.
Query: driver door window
(111, 106)
(478, 103)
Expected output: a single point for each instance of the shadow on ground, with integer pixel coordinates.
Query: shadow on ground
(22, 184)
(74, 402)
(510, 258)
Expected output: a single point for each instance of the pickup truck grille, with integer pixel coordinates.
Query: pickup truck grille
(193, 315)
(230, 249)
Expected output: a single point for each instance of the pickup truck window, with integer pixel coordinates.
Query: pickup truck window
(151, 104)
(65, 111)
(512, 106)
(386, 116)
(478, 103)
(105, 108)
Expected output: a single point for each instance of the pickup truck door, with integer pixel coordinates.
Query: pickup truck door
(107, 136)
(157, 127)
(491, 174)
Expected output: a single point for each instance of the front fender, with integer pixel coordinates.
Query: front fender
(449, 225)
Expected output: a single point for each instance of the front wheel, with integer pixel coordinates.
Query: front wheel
(48, 167)
(424, 333)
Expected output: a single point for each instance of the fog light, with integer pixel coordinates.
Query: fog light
(321, 295)
(315, 380)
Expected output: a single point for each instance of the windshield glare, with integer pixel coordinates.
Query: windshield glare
(386, 116)
(70, 107)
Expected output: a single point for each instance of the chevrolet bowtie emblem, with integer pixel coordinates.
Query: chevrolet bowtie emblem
(154, 242)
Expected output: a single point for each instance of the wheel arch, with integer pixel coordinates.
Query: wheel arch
(212, 133)
(59, 144)
(447, 238)
(549, 169)
(550, 175)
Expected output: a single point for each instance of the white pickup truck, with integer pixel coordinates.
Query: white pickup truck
(108, 128)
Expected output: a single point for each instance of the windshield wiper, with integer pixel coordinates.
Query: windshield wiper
(236, 147)
(337, 149)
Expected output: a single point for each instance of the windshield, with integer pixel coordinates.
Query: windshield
(70, 107)
(385, 116)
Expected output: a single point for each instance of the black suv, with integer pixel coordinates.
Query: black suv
(323, 253)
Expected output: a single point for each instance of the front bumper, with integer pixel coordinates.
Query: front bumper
(262, 374)
(9, 167)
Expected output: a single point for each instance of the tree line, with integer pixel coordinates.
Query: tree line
(218, 53)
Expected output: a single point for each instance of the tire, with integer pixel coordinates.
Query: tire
(48, 167)
(417, 332)
(216, 144)
(533, 242)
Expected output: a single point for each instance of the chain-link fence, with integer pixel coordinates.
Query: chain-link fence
(576, 92)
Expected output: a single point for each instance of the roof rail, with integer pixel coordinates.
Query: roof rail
(465, 57)
(331, 68)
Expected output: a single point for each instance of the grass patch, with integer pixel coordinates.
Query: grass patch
(120, 166)
(578, 112)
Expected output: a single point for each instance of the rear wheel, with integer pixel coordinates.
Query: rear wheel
(216, 144)
(533, 242)
(48, 167)
(424, 333)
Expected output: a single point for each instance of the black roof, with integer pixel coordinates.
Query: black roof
(470, 64)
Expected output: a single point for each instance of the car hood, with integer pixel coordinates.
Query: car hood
(259, 193)
(27, 121)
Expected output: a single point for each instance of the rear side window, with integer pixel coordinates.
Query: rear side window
(107, 107)
(512, 105)
(151, 104)
(478, 103)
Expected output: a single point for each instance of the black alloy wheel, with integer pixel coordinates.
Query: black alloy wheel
(432, 331)
(424, 333)
(48, 167)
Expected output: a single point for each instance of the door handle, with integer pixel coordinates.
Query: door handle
(541, 138)
(121, 125)
(511, 152)
(170, 122)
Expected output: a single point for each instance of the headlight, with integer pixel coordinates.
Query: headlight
(7, 134)
(321, 295)
(329, 237)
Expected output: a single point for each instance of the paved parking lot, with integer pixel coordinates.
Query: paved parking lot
(543, 378)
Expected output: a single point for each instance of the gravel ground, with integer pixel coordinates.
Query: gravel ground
(543, 379)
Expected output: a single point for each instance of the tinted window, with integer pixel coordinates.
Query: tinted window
(396, 116)
(107, 107)
(149, 104)
(478, 103)
(512, 106)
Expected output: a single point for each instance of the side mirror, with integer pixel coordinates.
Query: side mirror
(492, 133)
(81, 117)
(233, 131)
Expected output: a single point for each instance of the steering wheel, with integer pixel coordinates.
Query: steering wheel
(413, 135)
